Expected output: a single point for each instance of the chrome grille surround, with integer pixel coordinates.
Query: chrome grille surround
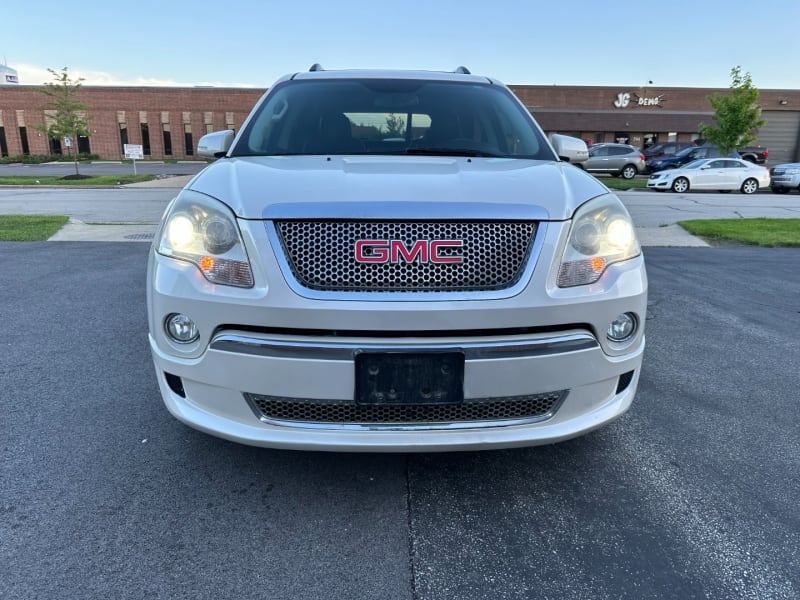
(320, 255)
(347, 414)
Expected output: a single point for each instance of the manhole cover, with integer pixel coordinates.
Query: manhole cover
(140, 236)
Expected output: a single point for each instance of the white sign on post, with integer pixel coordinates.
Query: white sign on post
(67, 142)
(133, 151)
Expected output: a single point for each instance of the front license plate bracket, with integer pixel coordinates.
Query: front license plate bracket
(409, 378)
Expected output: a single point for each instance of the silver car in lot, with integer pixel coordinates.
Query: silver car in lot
(615, 159)
(712, 174)
(785, 177)
(394, 261)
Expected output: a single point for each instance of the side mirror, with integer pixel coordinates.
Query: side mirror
(216, 144)
(569, 149)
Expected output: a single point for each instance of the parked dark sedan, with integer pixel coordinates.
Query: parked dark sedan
(665, 149)
(684, 157)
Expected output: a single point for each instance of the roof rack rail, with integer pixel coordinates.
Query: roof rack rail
(463, 70)
(316, 67)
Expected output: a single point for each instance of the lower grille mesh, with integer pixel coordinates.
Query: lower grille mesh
(491, 411)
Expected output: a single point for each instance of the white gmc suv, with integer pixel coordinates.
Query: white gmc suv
(394, 261)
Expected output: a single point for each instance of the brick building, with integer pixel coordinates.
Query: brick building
(168, 122)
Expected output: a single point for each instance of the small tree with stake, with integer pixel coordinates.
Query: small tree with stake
(737, 115)
(69, 114)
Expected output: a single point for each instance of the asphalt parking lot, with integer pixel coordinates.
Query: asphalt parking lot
(692, 494)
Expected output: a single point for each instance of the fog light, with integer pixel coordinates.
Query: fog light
(181, 328)
(622, 327)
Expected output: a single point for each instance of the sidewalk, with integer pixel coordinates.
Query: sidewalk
(77, 231)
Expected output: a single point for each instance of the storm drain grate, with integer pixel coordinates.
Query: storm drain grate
(140, 236)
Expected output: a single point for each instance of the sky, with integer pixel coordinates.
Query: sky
(238, 43)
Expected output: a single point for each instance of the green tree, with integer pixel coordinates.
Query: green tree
(737, 114)
(68, 117)
(395, 126)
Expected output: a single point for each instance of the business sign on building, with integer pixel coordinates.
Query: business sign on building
(628, 99)
(8, 75)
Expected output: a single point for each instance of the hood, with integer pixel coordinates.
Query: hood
(254, 186)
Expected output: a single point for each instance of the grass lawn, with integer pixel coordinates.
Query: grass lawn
(757, 232)
(618, 183)
(29, 228)
(105, 180)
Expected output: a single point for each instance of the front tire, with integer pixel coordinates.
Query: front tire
(629, 172)
(750, 186)
(680, 185)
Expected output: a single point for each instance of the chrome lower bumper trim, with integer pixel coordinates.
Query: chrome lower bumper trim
(345, 351)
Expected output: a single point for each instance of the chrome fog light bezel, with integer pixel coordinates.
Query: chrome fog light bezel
(631, 325)
(174, 327)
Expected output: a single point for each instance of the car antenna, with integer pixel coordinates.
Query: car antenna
(316, 67)
(462, 69)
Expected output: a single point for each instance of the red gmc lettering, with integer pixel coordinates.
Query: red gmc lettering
(436, 258)
(399, 249)
(395, 251)
(378, 252)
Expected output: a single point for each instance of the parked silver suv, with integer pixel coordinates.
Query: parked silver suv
(615, 159)
(785, 177)
(394, 261)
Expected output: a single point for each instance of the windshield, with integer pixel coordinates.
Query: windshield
(391, 116)
(686, 151)
(695, 164)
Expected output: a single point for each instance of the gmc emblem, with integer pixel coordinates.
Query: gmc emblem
(395, 251)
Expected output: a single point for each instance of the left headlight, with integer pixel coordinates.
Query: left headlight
(601, 234)
(203, 231)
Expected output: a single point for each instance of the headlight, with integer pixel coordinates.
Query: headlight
(792, 171)
(601, 234)
(203, 231)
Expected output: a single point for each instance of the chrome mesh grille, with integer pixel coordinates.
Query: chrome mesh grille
(321, 255)
(489, 411)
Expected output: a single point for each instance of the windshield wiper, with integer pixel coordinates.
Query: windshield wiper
(436, 151)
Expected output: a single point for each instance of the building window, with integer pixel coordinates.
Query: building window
(55, 146)
(3, 144)
(145, 138)
(123, 135)
(209, 128)
(187, 139)
(167, 139)
(23, 138)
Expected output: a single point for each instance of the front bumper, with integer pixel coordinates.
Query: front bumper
(787, 182)
(659, 184)
(269, 342)
(211, 398)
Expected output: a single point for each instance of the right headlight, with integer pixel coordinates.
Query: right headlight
(601, 234)
(203, 231)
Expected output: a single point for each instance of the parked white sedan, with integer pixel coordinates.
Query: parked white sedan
(722, 174)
